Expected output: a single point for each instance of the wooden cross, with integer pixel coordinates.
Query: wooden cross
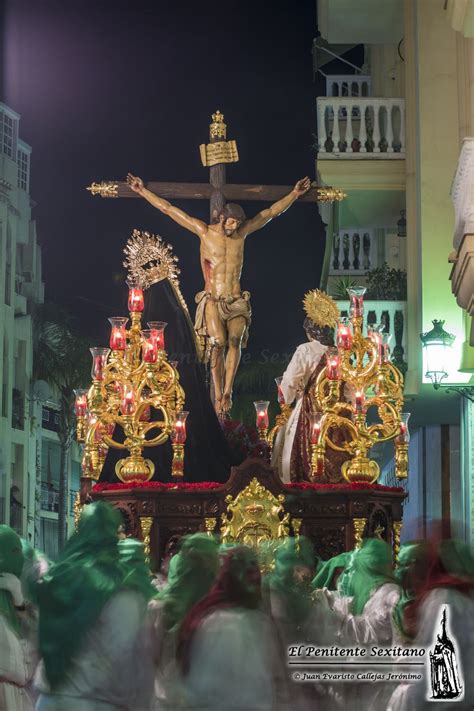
(217, 191)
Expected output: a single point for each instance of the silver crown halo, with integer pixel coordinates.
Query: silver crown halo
(149, 260)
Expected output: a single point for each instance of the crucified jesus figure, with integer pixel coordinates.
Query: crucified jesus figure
(223, 311)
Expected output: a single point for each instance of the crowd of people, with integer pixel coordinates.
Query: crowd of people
(222, 626)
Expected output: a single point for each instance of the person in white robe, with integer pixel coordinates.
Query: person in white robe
(448, 584)
(372, 593)
(94, 634)
(192, 571)
(228, 648)
(18, 623)
(322, 314)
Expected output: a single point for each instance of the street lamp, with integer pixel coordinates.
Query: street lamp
(437, 344)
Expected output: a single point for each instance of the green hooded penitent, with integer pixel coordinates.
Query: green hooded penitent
(11, 561)
(292, 553)
(137, 573)
(408, 555)
(371, 567)
(191, 575)
(324, 576)
(74, 591)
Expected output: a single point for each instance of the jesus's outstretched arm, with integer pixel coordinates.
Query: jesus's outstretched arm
(182, 218)
(260, 220)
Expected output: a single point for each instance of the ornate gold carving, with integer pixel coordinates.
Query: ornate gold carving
(134, 468)
(106, 189)
(217, 129)
(77, 509)
(151, 386)
(280, 421)
(254, 516)
(397, 531)
(401, 461)
(328, 194)
(220, 152)
(149, 260)
(321, 308)
(359, 526)
(210, 525)
(296, 526)
(376, 385)
(146, 523)
(177, 466)
(361, 469)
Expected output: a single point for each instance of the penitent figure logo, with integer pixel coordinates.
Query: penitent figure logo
(445, 681)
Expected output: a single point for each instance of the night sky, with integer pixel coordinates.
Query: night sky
(104, 88)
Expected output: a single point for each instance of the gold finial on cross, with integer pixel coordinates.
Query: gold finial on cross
(217, 128)
(218, 117)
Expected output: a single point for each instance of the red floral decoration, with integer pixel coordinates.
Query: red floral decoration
(356, 486)
(195, 486)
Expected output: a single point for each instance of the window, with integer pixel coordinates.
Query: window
(23, 167)
(8, 127)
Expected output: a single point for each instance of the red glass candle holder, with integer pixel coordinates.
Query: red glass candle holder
(356, 295)
(150, 348)
(261, 408)
(344, 334)
(178, 434)
(316, 422)
(385, 348)
(99, 361)
(118, 334)
(404, 436)
(333, 364)
(157, 329)
(136, 300)
(80, 403)
(128, 405)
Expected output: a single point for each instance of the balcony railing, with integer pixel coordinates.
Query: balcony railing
(348, 85)
(361, 127)
(50, 498)
(394, 315)
(354, 252)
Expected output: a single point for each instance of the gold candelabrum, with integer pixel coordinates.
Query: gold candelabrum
(358, 378)
(135, 400)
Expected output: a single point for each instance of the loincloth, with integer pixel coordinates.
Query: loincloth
(228, 308)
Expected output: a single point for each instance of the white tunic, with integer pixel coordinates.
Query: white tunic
(169, 693)
(234, 664)
(305, 360)
(113, 669)
(18, 660)
(460, 613)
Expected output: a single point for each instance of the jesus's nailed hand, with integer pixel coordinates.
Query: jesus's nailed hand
(135, 183)
(302, 186)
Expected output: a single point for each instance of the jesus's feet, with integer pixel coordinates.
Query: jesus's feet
(218, 405)
(226, 403)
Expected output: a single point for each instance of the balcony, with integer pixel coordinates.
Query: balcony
(348, 85)
(394, 315)
(50, 498)
(360, 128)
(354, 253)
